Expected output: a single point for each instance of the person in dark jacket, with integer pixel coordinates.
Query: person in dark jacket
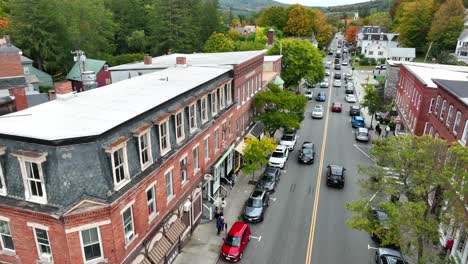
(220, 224)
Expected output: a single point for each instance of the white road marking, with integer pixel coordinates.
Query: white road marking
(273, 199)
(369, 247)
(259, 238)
(363, 152)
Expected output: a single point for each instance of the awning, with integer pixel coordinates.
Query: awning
(279, 81)
(160, 250)
(175, 231)
(240, 147)
(257, 130)
(224, 156)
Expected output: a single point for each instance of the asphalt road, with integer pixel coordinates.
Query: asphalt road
(283, 237)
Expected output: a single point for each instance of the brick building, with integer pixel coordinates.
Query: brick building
(119, 175)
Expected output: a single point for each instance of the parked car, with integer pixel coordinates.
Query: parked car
(324, 83)
(388, 255)
(357, 121)
(269, 179)
(309, 94)
(344, 63)
(327, 73)
(347, 75)
(289, 139)
(354, 110)
(337, 67)
(255, 206)
(335, 175)
(337, 60)
(337, 107)
(362, 134)
(328, 63)
(336, 83)
(321, 97)
(235, 242)
(317, 112)
(378, 219)
(350, 98)
(337, 76)
(349, 90)
(381, 67)
(330, 52)
(307, 153)
(278, 157)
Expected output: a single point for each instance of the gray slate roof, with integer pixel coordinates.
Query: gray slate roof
(6, 83)
(457, 88)
(464, 35)
(8, 49)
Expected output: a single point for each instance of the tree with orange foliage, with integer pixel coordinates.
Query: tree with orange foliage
(300, 22)
(4, 22)
(351, 33)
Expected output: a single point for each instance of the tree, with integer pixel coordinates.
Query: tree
(248, 45)
(301, 60)
(218, 42)
(322, 30)
(372, 101)
(300, 22)
(382, 19)
(256, 154)
(273, 16)
(425, 173)
(279, 108)
(414, 21)
(210, 19)
(234, 34)
(447, 24)
(351, 34)
(136, 42)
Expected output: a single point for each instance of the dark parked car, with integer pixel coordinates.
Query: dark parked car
(335, 175)
(337, 76)
(269, 180)
(255, 206)
(389, 256)
(337, 60)
(307, 153)
(337, 67)
(349, 90)
(354, 110)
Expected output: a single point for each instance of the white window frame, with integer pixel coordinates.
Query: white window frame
(192, 112)
(7, 221)
(214, 103)
(431, 105)
(243, 93)
(443, 109)
(165, 123)
(238, 96)
(425, 128)
(465, 134)
(437, 105)
(27, 192)
(132, 223)
(456, 124)
(196, 161)
(206, 147)
(449, 116)
(419, 102)
(204, 109)
(146, 135)
(216, 139)
(222, 99)
(230, 127)
(126, 178)
(169, 183)
(228, 93)
(152, 202)
(223, 131)
(26, 70)
(38, 244)
(183, 163)
(95, 260)
(179, 136)
(3, 189)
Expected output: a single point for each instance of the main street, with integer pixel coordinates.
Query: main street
(284, 235)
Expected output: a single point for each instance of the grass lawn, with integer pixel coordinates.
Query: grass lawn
(363, 68)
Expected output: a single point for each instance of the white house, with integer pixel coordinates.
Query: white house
(461, 51)
(401, 54)
(373, 37)
(376, 51)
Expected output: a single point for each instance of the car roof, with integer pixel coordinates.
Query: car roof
(358, 118)
(354, 107)
(280, 148)
(362, 129)
(307, 144)
(389, 251)
(237, 228)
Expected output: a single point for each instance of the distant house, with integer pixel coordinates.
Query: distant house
(99, 67)
(461, 51)
(376, 37)
(34, 76)
(246, 30)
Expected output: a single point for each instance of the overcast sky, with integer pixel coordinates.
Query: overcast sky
(321, 2)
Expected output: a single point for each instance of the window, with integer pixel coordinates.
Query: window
(204, 109)
(33, 181)
(151, 202)
(222, 99)
(238, 130)
(228, 93)
(456, 125)
(7, 240)
(42, 242)
(144, 143)
(425, 128)
(119, 166)
(179, 126)
(437, 105)
(183, 169)
(91, 244)
(192, 110)
(26, 70)
(214, 104)
(206, 147)
(3, 190)
(431, 105)
(252, 91)
(419, 102)
(380, 53)
(464, 137)
(443, 109)
(449, 116)
(106, 67)
(169, 189)
(223, 131)
(431, 131)
(216, 140)
(371, 53)
(164, 144)
(129, 231)
(244, 93)
(230, 126)
(196, 164)
(238, 96)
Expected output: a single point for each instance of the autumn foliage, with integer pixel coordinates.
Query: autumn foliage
(351, 33)
(4, 22)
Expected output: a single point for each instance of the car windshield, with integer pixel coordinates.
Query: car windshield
(277, 154)
(393, 260)
(307, 151)
(254, 202)
(288, 137)
(268, 178)
(335, 170)
(318, 107)
(233, 241)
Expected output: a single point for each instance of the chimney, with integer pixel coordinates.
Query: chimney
(63, 90)
(169, 52)
(271, 36)
(21, 101)
(148, 60)
(181, 61)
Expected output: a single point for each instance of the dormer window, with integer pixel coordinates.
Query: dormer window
(192, 112)
(119, 161)
(179, 126)
(143, 134)
(164, 144)
(214, 104)
(228, 93)
(3, 189)
(33, 176)
(204, 109)
(222, 99)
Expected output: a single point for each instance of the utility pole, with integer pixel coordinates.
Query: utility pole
(428, 50)
(88, 78)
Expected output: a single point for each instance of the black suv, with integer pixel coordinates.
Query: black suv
(337, 67)
(335, 175)
(307, 153)
(337, 76)
(349, 90)
(269, 180)
(337, 60)
(354, 110)
(255, 206)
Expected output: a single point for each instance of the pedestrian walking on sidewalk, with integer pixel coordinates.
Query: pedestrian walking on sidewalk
(218, 213)
(220, 224)
(378, 129)
(387, 129)
(223, 204)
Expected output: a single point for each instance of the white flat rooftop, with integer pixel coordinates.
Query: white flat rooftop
(272, 58)
(196, 59)
(96, 111)
(425, 75)
(431, 65)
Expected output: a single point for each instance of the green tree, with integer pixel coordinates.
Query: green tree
(300, 21)
(381, 19)
(248, 45)
(372, 101)
(301, 60)
(218, 42)
(273, 16)
(279, 108)
(425, 173)
(447, 24)
(256, 154)
(414, 22)
(210, 19)
(136, 42)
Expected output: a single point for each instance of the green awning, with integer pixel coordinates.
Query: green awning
(224, 156)
(279, 81)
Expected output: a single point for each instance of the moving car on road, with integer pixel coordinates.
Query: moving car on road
(354, 110)
(289, 139)
(337, 76)
(307, 153)
(255, 206)
(350, 98)
(235, 242)
(324, 83)
(357, 121)
(327, 73)
(362, 134)
(344, 63)
(321, 97)
(336, 83)
(278, 157)
(337, 67)
(309, 94)
(335, 175)
(349, 90)
(317, 112)
(337, 107)
(269, 180)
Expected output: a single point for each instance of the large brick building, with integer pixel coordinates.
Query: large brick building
(118, 175)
